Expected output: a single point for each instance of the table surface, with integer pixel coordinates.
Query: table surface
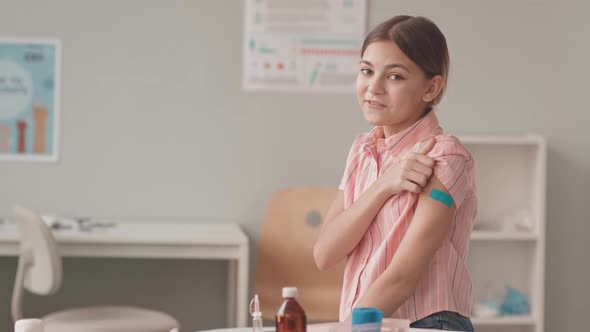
(310, 328)
(142, 232)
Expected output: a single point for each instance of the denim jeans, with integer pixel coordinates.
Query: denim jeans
(444, 320)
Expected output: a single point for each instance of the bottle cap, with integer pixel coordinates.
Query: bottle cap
(289, 292)
(366, 315)
(28, 325)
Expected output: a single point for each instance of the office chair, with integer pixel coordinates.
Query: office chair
(285, 254)
(40, 271)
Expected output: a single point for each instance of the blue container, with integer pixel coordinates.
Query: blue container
(366, 319)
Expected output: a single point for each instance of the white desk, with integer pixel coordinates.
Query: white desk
(131, 239)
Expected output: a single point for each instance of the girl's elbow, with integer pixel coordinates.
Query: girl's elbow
(319, 258)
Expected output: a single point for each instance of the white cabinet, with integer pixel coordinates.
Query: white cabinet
(508, 243)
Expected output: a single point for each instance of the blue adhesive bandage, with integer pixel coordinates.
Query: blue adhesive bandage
(442, 197)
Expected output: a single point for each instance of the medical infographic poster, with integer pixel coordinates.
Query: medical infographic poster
(29, 99)
(303, 45)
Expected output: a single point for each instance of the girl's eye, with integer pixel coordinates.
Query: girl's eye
(395, 77)
(365, 71)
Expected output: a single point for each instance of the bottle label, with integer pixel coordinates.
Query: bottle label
(370, 327)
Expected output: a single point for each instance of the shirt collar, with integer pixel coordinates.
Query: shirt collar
(422, 129)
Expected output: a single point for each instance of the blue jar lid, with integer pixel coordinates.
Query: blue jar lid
(366, 315)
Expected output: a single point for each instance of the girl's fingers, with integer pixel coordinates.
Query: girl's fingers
(411, 186)
(421, 168)
(418, 178)
(424, 159)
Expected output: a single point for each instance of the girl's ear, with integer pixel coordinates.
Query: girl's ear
(435, 86)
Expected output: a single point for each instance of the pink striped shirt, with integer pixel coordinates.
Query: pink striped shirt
(446, 284)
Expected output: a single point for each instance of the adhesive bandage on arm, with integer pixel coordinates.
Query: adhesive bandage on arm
(442, 197)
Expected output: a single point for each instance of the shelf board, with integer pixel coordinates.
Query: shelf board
(516, 320)
(502, 236)
(522, 140)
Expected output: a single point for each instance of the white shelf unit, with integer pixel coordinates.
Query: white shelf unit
(524, 320)
(510, 177)
(503, 236)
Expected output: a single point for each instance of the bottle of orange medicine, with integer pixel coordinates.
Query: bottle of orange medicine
(290, 317)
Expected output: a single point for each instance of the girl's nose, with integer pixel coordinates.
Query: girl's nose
(376, 86)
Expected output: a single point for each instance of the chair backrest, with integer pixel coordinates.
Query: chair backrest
(39, 266)
(285, 254)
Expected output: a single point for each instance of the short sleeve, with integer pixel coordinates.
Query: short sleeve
(453, 167)
(352, 162)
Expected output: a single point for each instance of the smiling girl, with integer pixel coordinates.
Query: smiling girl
(407, 201)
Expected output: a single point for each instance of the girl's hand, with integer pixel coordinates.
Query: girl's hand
(411, 173)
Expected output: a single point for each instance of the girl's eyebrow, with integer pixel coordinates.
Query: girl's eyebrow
(390, 66)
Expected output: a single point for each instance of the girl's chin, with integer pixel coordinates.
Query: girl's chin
(374, 120)
(374, 123)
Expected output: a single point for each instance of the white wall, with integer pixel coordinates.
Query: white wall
(155, 125)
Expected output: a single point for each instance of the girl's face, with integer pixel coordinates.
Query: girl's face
(392, 90)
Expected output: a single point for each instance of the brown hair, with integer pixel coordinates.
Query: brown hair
(420, 40)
